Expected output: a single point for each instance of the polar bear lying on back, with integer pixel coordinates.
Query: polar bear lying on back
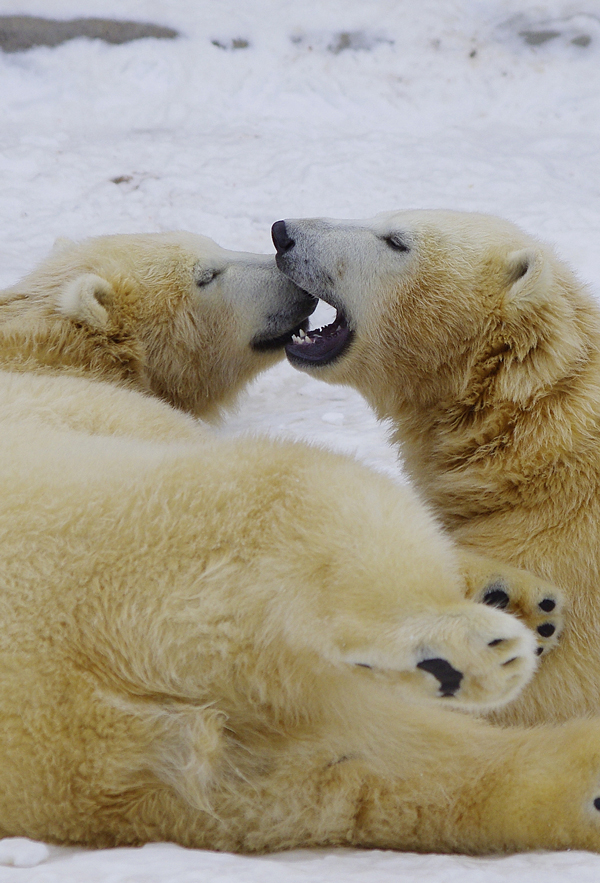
(237, 643)
(484, 350)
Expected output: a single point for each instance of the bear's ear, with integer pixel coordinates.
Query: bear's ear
(528, 274)
(85, 300)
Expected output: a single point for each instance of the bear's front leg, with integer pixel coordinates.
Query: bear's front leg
(537, 603)
(463, 655)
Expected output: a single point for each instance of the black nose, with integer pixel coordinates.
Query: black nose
(281, 240)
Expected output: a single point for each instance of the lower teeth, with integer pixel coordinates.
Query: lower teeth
(301, 340)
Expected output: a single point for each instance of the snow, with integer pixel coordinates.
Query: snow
(335, 107)
(22, 852)
(167, 863)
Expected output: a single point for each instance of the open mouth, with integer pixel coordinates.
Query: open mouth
(322, 345)
(276, 343)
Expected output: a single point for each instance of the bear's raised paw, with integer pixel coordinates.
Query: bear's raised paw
(537, 603)
(466, 656)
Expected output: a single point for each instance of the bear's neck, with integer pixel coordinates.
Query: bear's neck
(478, 454)
(34, 338)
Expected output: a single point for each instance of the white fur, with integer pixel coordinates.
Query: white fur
(186, 620)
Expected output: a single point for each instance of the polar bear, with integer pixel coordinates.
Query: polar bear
(235, 643)
(484, 350)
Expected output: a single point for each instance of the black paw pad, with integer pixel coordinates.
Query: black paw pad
(495, 596)
(448, 677)
(546, 629)
(547, 605)
(597, 803)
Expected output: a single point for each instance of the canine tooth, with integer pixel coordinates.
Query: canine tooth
(301, 338)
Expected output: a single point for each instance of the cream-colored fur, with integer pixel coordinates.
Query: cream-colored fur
(484, 351)
(237, 643)
(148, 312)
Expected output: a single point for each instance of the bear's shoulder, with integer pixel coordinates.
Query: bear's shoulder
(83, 405)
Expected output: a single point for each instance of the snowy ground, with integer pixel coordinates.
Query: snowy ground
(320, 107)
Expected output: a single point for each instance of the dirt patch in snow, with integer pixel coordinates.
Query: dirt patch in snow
(21, 32)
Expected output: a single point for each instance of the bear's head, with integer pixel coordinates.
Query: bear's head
(172, 314)
(436, 309)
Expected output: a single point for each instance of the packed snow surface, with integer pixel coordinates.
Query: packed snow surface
(266, 109)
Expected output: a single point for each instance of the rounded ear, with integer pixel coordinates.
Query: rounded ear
(85, 299)
(528, 274)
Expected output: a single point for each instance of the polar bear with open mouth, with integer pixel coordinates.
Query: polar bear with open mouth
(483, 349)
